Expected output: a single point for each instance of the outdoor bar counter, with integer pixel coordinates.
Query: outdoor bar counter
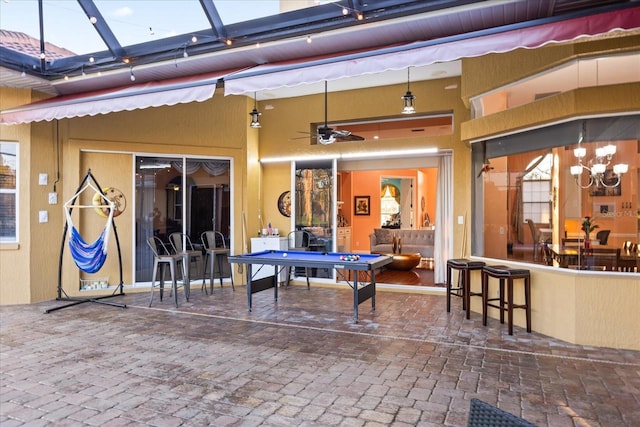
(581, 307)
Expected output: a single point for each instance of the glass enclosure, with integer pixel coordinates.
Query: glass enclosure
(570, 204)
(313, 206)
(179, 195)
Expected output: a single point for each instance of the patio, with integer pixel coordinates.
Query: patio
(300, 361)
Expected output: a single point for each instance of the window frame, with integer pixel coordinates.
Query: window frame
(15, 238)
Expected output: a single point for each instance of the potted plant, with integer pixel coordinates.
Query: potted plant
(588, 225)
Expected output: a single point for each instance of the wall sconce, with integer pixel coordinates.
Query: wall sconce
(597, 166)
(408, 98)
(255, 114)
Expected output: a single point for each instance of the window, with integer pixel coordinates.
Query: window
(8, 191)
(536, 190)
(557, 176)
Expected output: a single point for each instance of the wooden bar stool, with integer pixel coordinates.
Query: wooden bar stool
(464, 267)
(504, 273)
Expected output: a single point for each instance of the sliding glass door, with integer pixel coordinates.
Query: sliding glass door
(179, 195)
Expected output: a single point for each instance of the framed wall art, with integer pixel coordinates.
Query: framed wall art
(362, 205)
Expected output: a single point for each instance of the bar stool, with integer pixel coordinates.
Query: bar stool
(162, 259)
(503, 273)
(464, 266)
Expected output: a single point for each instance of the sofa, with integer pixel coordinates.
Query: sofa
(414, 241)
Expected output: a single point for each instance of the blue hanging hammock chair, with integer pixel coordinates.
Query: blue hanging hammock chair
(89, 257)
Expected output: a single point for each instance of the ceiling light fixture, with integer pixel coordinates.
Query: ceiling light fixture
(194, 39)
(229, 42)
(597, 167)
(309, 39)
(408, 98)
(255, 114)
(93, 19)
(92, 59)
(132, 76)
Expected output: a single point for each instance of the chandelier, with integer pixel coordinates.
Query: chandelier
(597, 167)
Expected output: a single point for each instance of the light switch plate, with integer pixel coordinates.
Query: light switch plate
(43, 216)
(43, 179)
(460, 219)
(53, 198)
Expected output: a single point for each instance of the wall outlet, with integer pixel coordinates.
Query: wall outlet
(43, 179)
(460, 219)
(53, 198)
(43, 216)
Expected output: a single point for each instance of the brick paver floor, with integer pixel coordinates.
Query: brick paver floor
(298, 361)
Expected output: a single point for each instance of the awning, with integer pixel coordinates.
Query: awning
(500, 40)
(125, 98)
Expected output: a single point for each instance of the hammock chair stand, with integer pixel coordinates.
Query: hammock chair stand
(62, 295)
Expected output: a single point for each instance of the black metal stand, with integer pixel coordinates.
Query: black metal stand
(77, 300)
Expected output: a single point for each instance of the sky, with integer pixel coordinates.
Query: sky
(132, 21)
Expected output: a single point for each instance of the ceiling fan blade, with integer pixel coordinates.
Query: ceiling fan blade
(350, 137)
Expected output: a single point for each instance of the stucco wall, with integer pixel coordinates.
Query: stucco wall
(283, 122)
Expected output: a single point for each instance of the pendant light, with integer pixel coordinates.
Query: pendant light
(255, 114)
(408, 98)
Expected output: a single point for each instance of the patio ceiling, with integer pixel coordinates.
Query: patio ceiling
(323, 30)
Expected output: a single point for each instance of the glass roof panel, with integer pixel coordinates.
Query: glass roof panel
(65, 24)
(232, 12)
(134, 22)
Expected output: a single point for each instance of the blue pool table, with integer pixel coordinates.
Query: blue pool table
(283, 259)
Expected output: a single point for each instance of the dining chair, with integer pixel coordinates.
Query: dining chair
(536, 237)
(603, 236)
(298, 240)
(216, 252)
(163, 258)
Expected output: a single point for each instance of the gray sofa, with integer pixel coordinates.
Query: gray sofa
(413, 241)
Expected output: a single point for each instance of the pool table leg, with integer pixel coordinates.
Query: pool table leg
(249, 275)
(355, 297)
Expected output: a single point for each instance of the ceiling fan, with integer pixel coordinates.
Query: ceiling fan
(327, 135)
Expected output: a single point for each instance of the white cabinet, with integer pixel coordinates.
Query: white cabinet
(344, 239)
(259, 244)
